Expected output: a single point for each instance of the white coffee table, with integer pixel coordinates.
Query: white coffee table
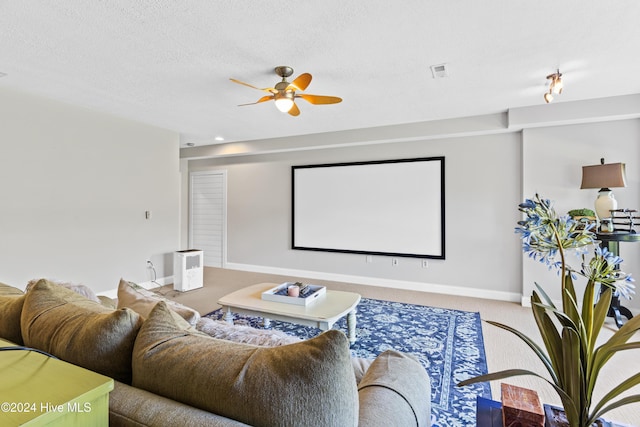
(322, 313)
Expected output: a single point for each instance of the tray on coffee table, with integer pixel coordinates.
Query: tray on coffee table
(308, 294)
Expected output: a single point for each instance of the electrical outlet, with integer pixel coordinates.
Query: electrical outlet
(394, 262)
(425, 263)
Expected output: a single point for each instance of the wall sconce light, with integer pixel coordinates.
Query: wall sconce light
(554, 87)
(603, 176)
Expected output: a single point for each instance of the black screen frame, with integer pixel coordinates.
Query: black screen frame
(441, 189)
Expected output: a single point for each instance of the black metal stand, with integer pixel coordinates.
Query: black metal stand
(617, 311)
(611, 241)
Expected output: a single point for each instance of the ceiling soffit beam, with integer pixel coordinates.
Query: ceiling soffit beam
(575, 112)
(437, 129)
(516, 119)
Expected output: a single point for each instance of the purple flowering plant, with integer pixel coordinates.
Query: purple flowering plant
(570, 352)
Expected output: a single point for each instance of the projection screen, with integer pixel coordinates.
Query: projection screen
(389, 207)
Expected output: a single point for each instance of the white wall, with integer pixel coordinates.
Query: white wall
(492, 163)
(482, 189)
(74, 188)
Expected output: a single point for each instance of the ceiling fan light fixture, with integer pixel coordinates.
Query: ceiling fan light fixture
(284, 93)
(548, 97)
(284, 101)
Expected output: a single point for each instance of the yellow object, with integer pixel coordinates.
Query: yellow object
(37, 390)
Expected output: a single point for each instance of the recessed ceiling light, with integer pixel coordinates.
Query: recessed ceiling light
(219, 138)
(190, 144)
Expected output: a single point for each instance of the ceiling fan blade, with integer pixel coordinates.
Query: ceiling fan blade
(319, 99)
(267, 89)
(294, 111)
(263, 99)
(301, 82)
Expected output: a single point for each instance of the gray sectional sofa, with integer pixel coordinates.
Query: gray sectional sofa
(170, 374)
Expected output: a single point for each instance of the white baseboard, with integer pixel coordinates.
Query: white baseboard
(113, 293)
(158, 283)
(387, 283)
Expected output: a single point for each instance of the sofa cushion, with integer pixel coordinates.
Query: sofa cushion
(11, 302)
(142, 301)
(134, 407)
(395, 390)
(83, 332)
(310, 383)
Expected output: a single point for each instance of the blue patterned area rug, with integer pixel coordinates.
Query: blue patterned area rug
(447, 342)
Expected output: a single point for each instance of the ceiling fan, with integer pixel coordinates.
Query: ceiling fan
(284, 93)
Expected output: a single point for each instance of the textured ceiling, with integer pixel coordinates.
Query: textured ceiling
(168, 63)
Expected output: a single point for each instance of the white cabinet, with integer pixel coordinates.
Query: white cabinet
(188, 270)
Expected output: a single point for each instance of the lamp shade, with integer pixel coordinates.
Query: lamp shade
(604, 176)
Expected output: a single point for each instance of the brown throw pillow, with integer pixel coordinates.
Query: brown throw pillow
(142, 301)
(11, 302)
(310, 383)
(83, 332)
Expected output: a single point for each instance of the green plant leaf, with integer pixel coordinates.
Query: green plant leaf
(624, 401)
(544, 295)
(621, 336)
(603, 353)
(599, 315)
(572, 368)
(507, 373)
(551, 339)
(579, 327)
(626, 346)
(532, 344)
(562, 318)
(615, 392)
(627, 330)
(587, 306)
(569, 305)
(587, 322)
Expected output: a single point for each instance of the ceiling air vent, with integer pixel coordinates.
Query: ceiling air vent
(439, 71)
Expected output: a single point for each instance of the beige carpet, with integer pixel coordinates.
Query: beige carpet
(502, 348)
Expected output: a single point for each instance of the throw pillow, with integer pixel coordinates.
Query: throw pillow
(83, 332)
(310, 383)
(142, 301)
(244, 334)
(11, 302)
(83, 290)
(264, 337)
